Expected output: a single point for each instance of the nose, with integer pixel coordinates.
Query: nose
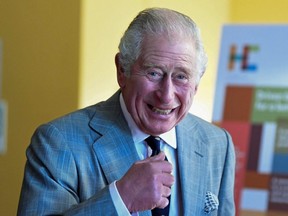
(166, 91)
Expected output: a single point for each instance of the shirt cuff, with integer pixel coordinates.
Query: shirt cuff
(118, 202)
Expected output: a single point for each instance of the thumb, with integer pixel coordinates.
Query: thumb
(159, 157)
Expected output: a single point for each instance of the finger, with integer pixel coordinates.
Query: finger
(166, 191)
(167, 179)
(166, 167)
(163, 202)
(159, 157)
(162, 166)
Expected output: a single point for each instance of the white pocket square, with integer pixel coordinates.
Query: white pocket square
(211, 202)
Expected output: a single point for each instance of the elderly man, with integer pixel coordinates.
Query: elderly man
(140, 152)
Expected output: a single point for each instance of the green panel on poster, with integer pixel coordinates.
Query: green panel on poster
(281, 145)
(270, 104)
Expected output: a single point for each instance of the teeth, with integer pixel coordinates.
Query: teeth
(162, 112)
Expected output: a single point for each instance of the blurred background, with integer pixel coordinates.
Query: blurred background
(58, 56)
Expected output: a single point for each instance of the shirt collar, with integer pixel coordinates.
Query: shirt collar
(138, 136)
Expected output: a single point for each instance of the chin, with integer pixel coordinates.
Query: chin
(158, 131)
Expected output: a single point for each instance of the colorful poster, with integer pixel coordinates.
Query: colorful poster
(251, 102)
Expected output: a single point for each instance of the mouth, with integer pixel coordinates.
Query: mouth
(161, 111)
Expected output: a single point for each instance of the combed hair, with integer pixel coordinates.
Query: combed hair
(159, 21)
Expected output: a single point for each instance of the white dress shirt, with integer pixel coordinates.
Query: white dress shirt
(168, 145)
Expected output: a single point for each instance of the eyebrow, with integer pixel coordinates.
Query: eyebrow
(165, 68)
(151, 65)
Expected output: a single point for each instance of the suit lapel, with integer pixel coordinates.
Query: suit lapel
(192, 161)
(116, 153)
(114, 148)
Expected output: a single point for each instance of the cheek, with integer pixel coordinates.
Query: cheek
(188, 94)
(138, 93)
(190, 98)
(145, 89)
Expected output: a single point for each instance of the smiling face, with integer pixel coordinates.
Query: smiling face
(162, 83)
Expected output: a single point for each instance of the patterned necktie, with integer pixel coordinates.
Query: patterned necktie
(154, 143)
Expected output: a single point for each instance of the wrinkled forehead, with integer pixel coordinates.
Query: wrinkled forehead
(171, 40)
(167, 53)
(163, 45)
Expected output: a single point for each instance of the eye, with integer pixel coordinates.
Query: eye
(181, 77)
(154, 75)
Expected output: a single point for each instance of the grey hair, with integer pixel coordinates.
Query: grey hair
(159, 21)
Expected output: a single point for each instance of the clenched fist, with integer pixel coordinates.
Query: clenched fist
(147, 184)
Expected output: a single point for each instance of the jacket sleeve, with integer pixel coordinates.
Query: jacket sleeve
(51, 180)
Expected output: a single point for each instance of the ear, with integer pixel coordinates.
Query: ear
(121, 78)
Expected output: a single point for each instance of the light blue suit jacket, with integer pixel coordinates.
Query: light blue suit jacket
(72, 160)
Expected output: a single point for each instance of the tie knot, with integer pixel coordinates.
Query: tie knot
(154, 143)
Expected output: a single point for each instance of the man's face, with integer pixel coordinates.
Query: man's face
(162, 84)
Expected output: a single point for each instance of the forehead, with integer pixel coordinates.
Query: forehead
(172, 51)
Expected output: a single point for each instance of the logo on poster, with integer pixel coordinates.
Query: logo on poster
(243, 58)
